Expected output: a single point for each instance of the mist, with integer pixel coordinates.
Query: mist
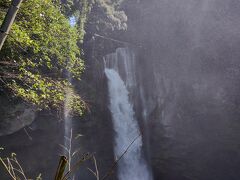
(155, 83)
(190, 72)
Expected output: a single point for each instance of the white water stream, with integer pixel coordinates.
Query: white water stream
(132, 166)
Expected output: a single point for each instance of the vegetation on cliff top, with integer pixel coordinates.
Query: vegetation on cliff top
(42, 52)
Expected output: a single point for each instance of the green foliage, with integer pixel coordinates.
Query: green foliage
(104, 14)
(115, 18)
(42, 50)
(40, 53)
(79, 9)
(74, 102)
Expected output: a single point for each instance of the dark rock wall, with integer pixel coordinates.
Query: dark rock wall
(188, 56)
(37, 146)
(96, 124)
(14, 114)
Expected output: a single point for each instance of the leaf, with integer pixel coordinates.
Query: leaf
(13, 155)
(78, 136)
(65, 148)
(39, 177)
(75, 152)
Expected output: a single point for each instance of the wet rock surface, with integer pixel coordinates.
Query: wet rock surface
(14, 115)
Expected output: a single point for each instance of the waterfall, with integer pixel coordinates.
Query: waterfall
(67, 151)
(133, 165)
(67, 118)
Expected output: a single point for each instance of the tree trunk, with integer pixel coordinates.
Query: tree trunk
(8, 20)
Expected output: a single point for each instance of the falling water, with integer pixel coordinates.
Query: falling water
(67, 118)
(133, 165)
(67, 126)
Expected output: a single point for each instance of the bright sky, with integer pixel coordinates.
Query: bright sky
(72, 21)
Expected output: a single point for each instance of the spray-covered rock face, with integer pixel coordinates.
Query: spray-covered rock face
(189, 67)
(14, 116)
